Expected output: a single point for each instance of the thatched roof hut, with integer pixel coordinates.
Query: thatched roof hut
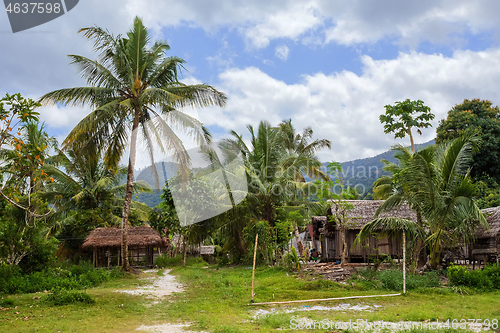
(492, 215)
(364, 211)
(144, 245)
(111, 237)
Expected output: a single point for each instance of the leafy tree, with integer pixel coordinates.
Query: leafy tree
(133, 88)
(18, 116)
(167, 220)
(403, 116)
(400, 119)
(482, 118)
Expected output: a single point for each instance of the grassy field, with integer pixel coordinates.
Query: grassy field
(216, 299)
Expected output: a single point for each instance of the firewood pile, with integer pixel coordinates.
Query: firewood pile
(329, 271)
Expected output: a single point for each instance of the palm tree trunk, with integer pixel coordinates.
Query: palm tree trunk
(344, 246)
(404, 262)
(128, 191)
(240, 244)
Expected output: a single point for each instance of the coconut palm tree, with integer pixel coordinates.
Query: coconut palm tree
(275, 162)
(437, 181)
(133, 90)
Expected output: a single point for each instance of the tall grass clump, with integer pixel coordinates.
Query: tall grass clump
(392, 279)
(63, 297)
(165, 261)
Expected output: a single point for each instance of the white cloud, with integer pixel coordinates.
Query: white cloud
(345, 107)
(282, 52)
(344, 22)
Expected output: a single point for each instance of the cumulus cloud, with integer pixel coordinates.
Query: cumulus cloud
(344, 107)
(349, 23)
(282, 52)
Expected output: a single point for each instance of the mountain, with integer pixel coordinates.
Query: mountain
(165, 170)
(359, 174)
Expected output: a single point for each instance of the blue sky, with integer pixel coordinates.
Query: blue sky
(330, 65)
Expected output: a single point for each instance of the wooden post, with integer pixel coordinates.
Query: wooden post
(93, 257)
(254, 257)
(109, 257)
(404, 262)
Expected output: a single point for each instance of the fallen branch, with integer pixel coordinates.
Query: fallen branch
(323, 299)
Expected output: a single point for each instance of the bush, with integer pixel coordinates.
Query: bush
(83, 276)
(64, 297)
(485, 279)
(392, 279)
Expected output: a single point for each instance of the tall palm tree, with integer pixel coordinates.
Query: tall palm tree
(276, 161)
(134, 88)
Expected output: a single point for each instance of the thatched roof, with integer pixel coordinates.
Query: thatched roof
(493, 217)
(364, 211)
(111, 237)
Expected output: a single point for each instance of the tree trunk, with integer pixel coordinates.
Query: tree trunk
(300, 246)
(404, 262)
(184, 250)
(240, 244)
(128, 191)
(411, 140)
(344, 246)
(421, 249)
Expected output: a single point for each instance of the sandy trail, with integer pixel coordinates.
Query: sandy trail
(162, 286)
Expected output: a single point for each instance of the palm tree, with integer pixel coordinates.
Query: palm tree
(133, 88)
(84, 189)
(437, 181)
(276, 161)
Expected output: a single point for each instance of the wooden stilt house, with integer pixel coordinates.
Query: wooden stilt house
(329, 234)
(144, 245)
(486, 247)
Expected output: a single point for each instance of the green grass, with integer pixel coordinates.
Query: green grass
(216, 300)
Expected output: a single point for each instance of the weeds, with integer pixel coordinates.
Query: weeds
(64, 297)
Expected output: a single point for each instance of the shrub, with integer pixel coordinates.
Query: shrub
(392, 279)
(64, 297)
(83, 276)
(485, 279)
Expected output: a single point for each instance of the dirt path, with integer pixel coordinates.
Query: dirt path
(162, 286)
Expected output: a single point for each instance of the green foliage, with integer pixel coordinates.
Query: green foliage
(292, 261)
(165, 261)
(392, 279)
(13, 281)
(7, 302)
(486, 279)
(401, 117)
(266, 245)
(41, 255)
(61, 296)
(483, 119)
